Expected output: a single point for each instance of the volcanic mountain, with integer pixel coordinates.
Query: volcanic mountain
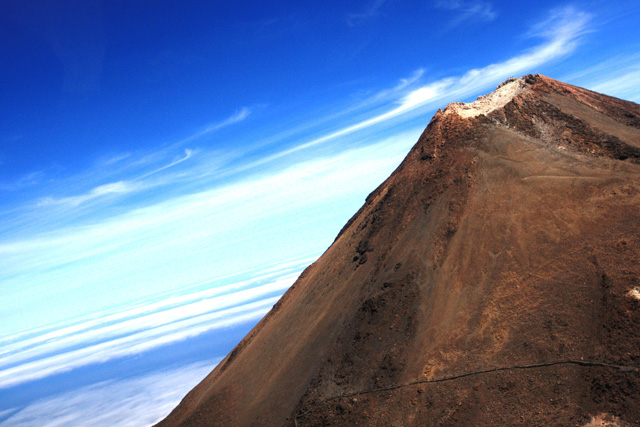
(492, 279)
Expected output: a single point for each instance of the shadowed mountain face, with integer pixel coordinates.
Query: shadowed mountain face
(493, 279)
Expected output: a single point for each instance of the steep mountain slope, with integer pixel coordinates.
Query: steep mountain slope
(493, 279)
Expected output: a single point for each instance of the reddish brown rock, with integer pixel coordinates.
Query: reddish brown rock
(489, 281)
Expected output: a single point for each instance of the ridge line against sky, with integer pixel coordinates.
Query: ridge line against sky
(566, 26)
(68, 244)
(561, 32)
(191, 236)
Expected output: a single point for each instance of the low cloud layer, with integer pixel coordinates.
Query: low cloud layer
(134, 402)
(141, 327)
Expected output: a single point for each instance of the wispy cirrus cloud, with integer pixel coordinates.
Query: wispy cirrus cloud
(625, 86)
(115, 159)
(24, 181)
(112, 188)
(561, 32)
(237, 117)
(468, 10)
(136, 168)
(371, 12)
(562, 23)
(118, 188)
(138, 162)
(131, 168)
(187, 155)
(617, 76)
(394, 93)
(264, 31)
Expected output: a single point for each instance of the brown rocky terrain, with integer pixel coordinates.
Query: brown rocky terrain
(492, 279)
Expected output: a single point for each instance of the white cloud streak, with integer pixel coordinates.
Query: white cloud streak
(116, 159)
(137, 181)
(237, 117)
(563, 23)
(113, 188)
(561, 31)
(208, 211)
(617, 76)
(626, 86)
(136, 343)
(140, 328)
(187, 155)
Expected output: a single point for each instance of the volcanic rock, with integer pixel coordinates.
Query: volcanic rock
(492, 279)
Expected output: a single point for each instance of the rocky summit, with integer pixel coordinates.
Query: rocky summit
(492, 279)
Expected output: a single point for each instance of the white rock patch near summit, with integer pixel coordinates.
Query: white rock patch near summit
(487, 103)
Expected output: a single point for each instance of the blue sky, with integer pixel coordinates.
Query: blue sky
(167, 169)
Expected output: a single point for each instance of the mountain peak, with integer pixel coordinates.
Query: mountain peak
(561, 115)
(490, 280)
(485, 104)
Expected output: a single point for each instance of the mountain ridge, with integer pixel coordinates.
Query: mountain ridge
(507, 237)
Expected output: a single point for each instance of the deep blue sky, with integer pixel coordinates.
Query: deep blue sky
(85, 78)
(167, 168)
